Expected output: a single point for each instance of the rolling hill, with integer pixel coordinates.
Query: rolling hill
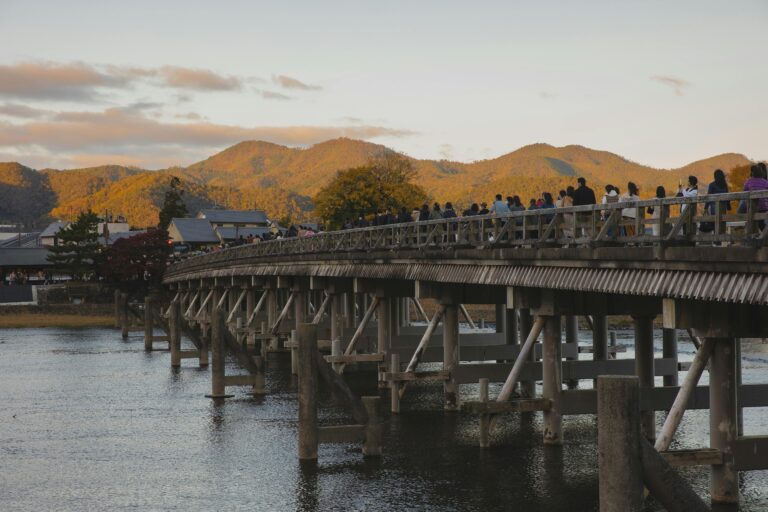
(282, 180)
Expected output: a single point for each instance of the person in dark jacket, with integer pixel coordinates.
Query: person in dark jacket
(583, 194)
(483, 209)
(424, 213)
(404, 216)
(449, 212)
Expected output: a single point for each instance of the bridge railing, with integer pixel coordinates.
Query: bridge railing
(714, 219)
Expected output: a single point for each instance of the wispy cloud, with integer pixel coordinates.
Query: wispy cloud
(288, 82)
(272, 95)
(546, 95)
(79, 81)
(23, 111)
(132, 134)
(197, 79)
(677, 84)
(54, 81)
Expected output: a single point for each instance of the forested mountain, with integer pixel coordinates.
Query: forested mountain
(282, 180)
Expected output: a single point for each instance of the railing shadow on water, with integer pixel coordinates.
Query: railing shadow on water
(673, 221)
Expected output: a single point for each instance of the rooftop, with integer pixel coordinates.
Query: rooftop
(234, 216)
(192, 230)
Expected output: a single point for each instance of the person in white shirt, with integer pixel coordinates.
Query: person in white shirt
(629, 214)
(692, 190)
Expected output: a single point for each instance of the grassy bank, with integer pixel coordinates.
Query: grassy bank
(21, 320)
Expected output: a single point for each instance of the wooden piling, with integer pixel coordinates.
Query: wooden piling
(174, 332)
(669, 351)
(527, 387)
(500, 317)
(372, 443)
(294, 353)
(148, 322)
(395, 389)
(117, 308)
(552, 381)
(336, 351)
(451, 356)
(572, 338)
(644, 369)
(124, 320)
(512, 329)
(218, 327)
(599, 340)
(308, 430)
(485, 419)
(384, 338)
(618, 444)
(723, 420)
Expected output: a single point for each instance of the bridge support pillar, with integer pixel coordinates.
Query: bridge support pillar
(149, 321)
(308, 429)
(644, 369)
(124, 320)
(218, 328)
(205, 331)
(337, 316)
(723, 419)
(384, 338)
(511, 328)
(500, 317)
(553, 383)
(250, 304)
(451, 356)
(618, 444)
(669, 351)
(527, 387)
(572, 339)
(299, 310)
(599, 340)
(117, 309)
(174, 332)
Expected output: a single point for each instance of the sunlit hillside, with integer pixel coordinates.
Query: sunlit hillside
(282, 180)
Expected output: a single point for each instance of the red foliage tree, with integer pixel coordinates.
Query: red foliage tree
(139, 259)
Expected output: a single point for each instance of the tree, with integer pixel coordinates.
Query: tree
(76, 250)
(173, 204)
(385, 182)
(141, 258)
(737, 176)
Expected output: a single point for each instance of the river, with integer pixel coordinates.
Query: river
(89, 422)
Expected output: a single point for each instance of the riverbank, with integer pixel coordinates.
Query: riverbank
(58, 315)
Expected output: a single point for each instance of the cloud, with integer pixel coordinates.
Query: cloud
(79, 81)
(53, 81)
(197, 79)
(190, 116)
(677, 84)
(119, 132)
(272, 95)
(546, 95)
(288, 82)
(23, 111)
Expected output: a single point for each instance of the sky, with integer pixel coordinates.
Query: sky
(163, 83)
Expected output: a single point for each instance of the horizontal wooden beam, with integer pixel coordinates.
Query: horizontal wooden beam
(239, 380)
(521, 405)
(189, 354)
(341, 434)
(700, 457)
(356, 358)
(750, 453)
(436, 375)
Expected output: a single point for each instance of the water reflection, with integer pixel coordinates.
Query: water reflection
(101, 425)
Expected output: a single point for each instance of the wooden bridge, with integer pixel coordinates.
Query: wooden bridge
(699, 268)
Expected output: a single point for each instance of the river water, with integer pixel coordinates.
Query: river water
(89, 422)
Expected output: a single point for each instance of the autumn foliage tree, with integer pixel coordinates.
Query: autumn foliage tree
(385, 182)
(139, 260)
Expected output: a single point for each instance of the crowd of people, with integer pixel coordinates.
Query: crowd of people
(579, 195)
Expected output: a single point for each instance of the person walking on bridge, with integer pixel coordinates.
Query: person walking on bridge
(583, 194)
(754, 183)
